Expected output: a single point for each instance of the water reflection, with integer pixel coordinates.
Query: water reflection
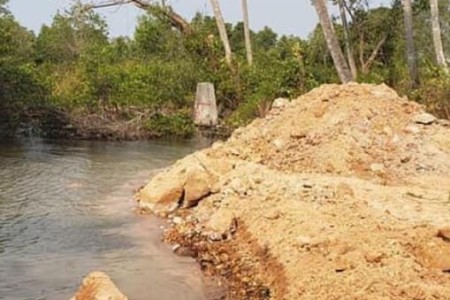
(65, 210)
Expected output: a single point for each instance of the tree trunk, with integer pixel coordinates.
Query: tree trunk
(248, 42)
(222, 30)
(332, 42)
(348, 48)
(437, 39)
(410, 49)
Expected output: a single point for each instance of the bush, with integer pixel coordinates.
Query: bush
(149, 84)
(434, 93)
(175, 124)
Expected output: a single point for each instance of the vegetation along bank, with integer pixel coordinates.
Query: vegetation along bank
(72, 80)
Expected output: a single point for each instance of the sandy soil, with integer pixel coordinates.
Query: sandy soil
(343, 193)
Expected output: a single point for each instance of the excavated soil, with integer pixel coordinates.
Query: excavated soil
(343, 193)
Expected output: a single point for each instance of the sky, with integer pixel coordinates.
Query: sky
(291, 17)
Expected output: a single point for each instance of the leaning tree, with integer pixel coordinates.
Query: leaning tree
(332, 41)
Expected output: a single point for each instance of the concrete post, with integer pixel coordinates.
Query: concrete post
(205, 105)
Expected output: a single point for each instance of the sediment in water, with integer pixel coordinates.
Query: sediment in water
(342, 193)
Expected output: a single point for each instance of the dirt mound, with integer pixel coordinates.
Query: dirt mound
(343, 193)
(352, 130)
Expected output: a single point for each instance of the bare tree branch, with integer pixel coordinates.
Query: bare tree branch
(106, 4)
(163, 12)
(349, 9)
(366, 66)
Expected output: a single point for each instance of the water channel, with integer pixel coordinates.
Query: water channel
(66, 209)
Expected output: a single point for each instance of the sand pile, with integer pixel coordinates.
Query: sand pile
(343, 193)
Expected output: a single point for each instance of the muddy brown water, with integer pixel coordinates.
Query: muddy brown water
(66, 209)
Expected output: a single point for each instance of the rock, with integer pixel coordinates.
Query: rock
(395, 139)
(217, 145)
(405, 159)
(280, 103)
(320, 111)
(238, 186)
(377, 167)
(373, 257)
(163, 193)
(387, 130)
(424, 119)
(304, 241)
(186, 183)
(445, 123)
(175, 247)
(198, 185)
(298, 133)
(348, 261)
(273, 215)
(434, 254)
(221, 221)
(215, 237)
(184, 251)
(412, 129)
(344, 190)
(98, 286)
(444, 233)
(177, 220)
(235, 152)
(279, 144)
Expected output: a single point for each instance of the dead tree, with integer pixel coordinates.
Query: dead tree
(158, 10)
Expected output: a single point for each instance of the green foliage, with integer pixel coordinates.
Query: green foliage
(16, 43)
(20, 84)
(155, 38)
(434, 92)
(280, 72)
(175, 124)
(19, 81)
(3, 9)
(94, 83)
(265, 39)
(73, 65)
(70, 35)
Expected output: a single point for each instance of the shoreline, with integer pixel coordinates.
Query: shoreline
(96, 134)
(238, 260)
(107, 124)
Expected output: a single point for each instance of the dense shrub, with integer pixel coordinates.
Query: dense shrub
(176, 124)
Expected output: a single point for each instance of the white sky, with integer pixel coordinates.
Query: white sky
(295, 17)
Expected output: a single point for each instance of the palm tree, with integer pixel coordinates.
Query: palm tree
(437, 39)
(410, 49)
(222, 30)
(248, 42)
(348, 48)
(332, 42)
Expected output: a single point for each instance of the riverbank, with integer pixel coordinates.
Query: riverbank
(342, 193)
(101, 124)
(106, 124)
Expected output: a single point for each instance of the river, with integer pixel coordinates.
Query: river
(66, 209)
